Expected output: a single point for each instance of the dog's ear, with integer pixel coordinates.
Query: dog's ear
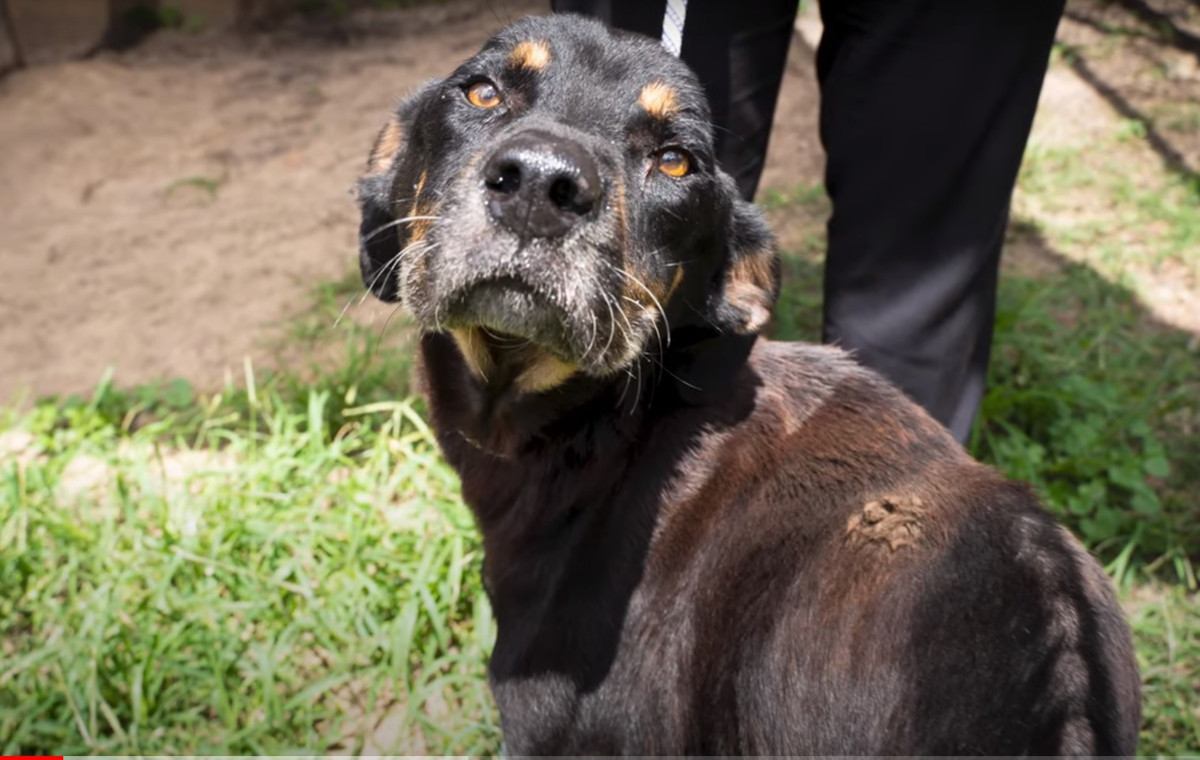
(748, 285)
(386, 194)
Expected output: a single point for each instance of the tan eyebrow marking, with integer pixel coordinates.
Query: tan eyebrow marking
(530, 54)
(659, 99)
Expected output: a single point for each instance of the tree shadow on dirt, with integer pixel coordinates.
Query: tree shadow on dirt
(1154, 34)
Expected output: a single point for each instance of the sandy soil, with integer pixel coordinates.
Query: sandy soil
(168, 209)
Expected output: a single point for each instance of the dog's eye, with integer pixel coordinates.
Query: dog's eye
(673, 162)
(483, 95)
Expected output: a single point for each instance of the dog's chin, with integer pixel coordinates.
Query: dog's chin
(512, 312)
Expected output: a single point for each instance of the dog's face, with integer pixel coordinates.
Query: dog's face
(556, 198)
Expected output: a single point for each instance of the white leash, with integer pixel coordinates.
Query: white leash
(672, 28)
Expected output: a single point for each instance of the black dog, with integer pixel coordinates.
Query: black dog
(698, 542)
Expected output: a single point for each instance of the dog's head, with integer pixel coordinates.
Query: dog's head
(557, 196)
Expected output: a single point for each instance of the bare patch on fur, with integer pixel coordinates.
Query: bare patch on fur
(894, 521)
(659, 99)
(533, 55)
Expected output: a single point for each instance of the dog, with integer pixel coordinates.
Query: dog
(697, 540)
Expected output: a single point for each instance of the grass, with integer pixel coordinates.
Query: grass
(238, 579)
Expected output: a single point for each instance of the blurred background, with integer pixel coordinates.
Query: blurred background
(224, 527)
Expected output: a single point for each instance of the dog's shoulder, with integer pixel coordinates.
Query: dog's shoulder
(837, 458)
(858, 539)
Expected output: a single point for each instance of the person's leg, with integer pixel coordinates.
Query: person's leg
(926, 107)
(738, 50)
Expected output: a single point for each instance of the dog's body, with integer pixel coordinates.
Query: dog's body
(696, 541)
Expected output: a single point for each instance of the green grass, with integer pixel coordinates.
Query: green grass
(1166, 625)
(273, 588)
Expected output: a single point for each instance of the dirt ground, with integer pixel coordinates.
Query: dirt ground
(168, 209)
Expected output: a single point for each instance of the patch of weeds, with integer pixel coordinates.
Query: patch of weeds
(1080, 394)
(369, 362)
(797, 314)
(1133, 222)
(1175, 208)
(276, 590)
(170, 17)
(1047, 170)
(772, 199)
(1130, 130)
(1166, 633)
(797, 216)
(1179, 117)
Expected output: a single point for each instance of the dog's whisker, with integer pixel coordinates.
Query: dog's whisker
(658, 336)
(612, 323)
(386, 323)
(387, 270)
(636, 281)
(627, 334)
(591, 340)
(368, 237)
(625, 387)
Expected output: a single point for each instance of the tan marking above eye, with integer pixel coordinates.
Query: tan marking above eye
(484, 95)
(659, 99)
(530, 54)
(673, 162)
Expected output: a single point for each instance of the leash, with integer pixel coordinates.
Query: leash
(672, 28)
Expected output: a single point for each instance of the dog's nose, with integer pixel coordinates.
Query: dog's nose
(541, 185)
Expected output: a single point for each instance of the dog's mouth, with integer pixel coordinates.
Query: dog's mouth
(512, 312)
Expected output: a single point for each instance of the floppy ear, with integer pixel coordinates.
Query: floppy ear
(385, 194)
(748, 286)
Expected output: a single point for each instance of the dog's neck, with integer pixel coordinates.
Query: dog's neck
(497, 418)
(565, 485)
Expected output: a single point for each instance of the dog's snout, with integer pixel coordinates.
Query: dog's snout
(541, 185)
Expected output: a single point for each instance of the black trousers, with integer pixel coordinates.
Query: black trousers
(926, 106)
